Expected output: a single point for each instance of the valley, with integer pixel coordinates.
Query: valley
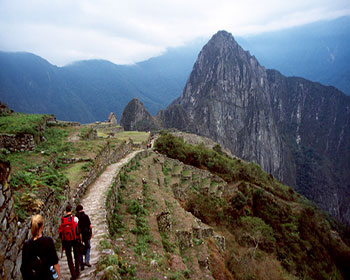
(179, 210)
(243, 176)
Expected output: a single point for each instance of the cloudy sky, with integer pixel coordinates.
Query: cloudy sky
(128, 31)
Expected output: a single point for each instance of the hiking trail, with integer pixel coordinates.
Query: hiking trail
(93, 202)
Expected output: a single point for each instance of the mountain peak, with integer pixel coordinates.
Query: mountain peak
(136, 117)
(222, 34)
(222, 38)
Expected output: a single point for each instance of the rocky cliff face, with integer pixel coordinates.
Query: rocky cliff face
(136, 117)
(227, 99)
(295, 129)
(314, 122)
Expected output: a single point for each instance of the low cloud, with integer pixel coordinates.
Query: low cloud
(125, 32)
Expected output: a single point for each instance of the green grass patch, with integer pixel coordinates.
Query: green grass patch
(75, 173)
(137, 137)
(22, 123)
(135, 208)
(115, 267)
(168, 246)
(177, 169)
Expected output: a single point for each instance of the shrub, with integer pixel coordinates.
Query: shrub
(259, 232)
(135, 208)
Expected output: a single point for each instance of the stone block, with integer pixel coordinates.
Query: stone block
(178, 192)
(207, 233)
(2, 199)
(197, 233)
(204, 262)
(8, 267)
(220, 241)
(164, 222)
(184, 239)
(4, 224)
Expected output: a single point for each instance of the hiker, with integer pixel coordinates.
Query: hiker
(69, 234)
(39, 257)
(85, 229)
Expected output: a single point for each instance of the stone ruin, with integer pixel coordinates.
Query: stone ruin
(112, 118)
(164, 223)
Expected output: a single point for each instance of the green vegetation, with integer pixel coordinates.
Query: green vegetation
(136, 136)
(37, 175)
(42, 174)
(229, 169)
(168, 246)
(17, 123)
(270, 222)
(85, 132)
(115, 267)
(135, 208)
(74, 172)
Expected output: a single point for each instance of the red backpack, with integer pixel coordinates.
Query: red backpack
(68, 229)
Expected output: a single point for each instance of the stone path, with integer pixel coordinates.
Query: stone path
(94, 206)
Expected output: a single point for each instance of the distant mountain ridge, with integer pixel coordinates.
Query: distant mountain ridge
(318, 51)
(88, 91)
(295, 129)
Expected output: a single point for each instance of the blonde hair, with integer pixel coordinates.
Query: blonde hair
(36, 223)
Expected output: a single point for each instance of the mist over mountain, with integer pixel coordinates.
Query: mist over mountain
(295, 129)
(88, 91)
(317, 51)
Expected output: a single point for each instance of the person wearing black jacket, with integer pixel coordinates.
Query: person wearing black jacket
(85, 229)
(39, 254)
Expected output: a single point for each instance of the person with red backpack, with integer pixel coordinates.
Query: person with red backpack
(70, 237)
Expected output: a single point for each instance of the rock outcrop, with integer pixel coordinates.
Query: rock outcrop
(295, 129)
(136, 117)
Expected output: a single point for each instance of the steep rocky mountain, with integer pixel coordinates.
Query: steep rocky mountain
(136, 117)
(87, 91)
(295, 129)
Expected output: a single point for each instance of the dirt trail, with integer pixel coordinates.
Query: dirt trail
(94, 206)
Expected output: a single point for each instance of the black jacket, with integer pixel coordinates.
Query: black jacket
(39, 253)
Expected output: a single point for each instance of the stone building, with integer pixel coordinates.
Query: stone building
(112, 118)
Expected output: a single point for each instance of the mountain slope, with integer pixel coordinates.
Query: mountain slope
(29, 83)
(88, 91)
(317, 51)
(293, 128)
(136, 117)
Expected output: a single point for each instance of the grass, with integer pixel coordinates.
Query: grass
(186, 173)
(21, 123)
(35, 174)
(137, 137)
(75, 173)
(177, 169)
(115, 267)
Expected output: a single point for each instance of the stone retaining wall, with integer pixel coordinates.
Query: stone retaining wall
(17, 142)
(113, 192)
(184, 237)
(101, 161)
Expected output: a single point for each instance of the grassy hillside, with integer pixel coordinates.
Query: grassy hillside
(224, 218)
(47, 170)
(263, 219)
